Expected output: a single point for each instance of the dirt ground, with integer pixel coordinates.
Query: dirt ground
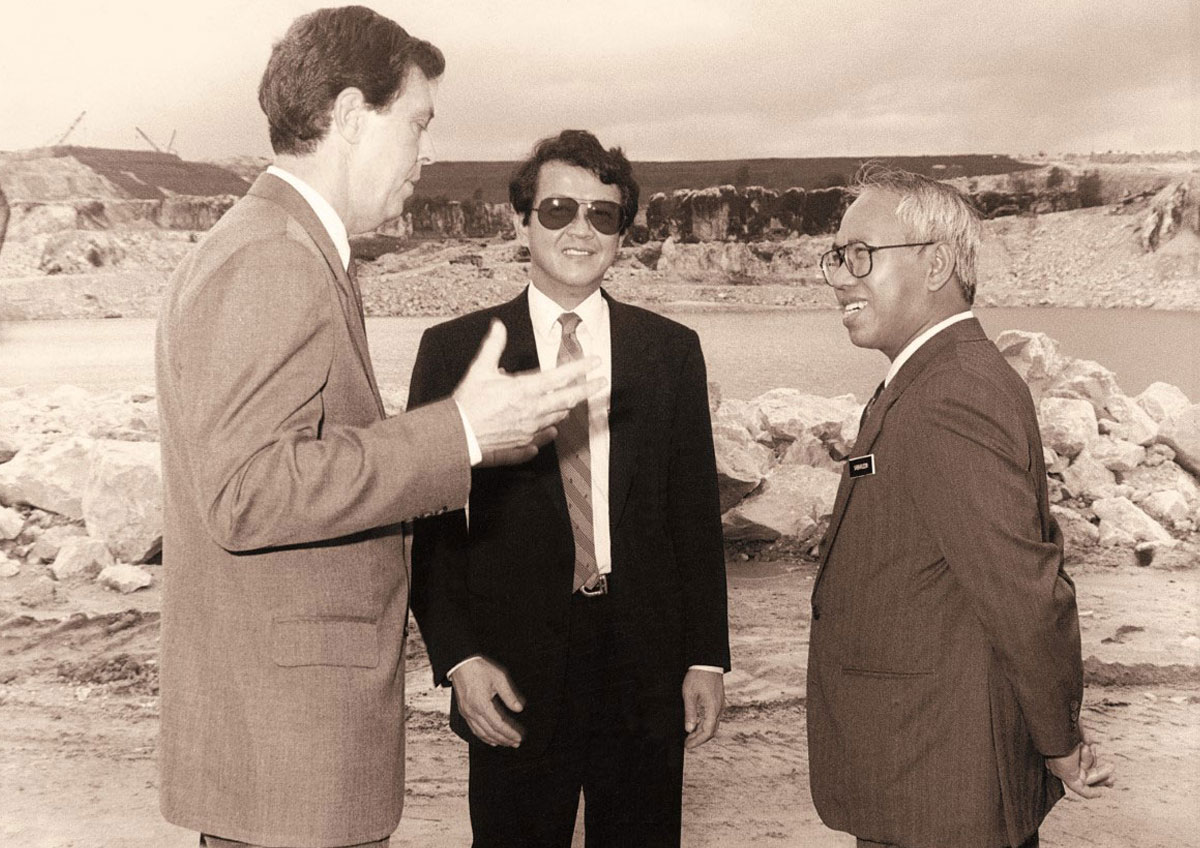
(79, 717)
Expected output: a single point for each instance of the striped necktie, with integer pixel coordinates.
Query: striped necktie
(575, 465)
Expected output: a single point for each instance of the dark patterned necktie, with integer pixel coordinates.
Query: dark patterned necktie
(575, 465)
(867, 409)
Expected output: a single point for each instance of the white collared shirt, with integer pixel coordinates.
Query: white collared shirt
(326, 214)
(915, 344)
(595, 338)
(332, 222)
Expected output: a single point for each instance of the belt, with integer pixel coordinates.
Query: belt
(601, 588)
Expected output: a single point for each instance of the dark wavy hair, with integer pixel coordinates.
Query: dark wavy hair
(327, 51)
(583, 150)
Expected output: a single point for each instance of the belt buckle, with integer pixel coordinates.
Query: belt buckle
(601, 588)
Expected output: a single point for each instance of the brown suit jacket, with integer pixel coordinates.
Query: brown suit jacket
(944, 663)
(285, 592)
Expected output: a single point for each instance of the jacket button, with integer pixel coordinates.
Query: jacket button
(816, 613)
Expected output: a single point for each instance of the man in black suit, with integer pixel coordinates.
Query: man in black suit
(577, 605)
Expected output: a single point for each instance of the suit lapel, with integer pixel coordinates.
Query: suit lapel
(271, 188)
(966, 330)
(629, 399)
(520, 354)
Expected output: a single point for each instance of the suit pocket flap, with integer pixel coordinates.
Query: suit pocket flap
(325, 640)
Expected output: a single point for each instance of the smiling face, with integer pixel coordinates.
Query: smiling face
(388, 154)
(569, 264)
(893, 304)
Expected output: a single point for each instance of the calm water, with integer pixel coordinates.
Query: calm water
(747, 352)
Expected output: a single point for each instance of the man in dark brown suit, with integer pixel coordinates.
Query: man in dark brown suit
(944, 675)
(286, 591)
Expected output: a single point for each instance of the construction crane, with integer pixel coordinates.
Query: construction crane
(70, 129)
(149, 140)
(157, 149)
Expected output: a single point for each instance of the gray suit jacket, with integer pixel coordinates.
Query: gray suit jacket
(285, 591)
(944, 663)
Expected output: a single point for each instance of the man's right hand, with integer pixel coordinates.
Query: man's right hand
(1082, 771)
(477, 683)
(512, 416)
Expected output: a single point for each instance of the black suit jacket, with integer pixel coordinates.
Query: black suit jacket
(502, 588)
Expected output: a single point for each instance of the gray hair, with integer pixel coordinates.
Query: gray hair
(930, 211)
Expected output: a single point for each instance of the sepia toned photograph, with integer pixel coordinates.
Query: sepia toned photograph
(600, 425)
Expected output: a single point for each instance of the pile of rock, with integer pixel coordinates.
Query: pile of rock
(80, 485)
(80, 488)
(1123, 471)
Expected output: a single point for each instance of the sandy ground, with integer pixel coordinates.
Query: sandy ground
(79, 717)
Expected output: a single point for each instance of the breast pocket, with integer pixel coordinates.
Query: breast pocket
(325, 640)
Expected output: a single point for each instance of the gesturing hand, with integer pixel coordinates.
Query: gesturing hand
(477, 684)
(1082, 771)
(513, 415)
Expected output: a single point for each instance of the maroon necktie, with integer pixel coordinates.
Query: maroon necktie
(575, 465)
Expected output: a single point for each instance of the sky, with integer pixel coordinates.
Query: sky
(669, 80)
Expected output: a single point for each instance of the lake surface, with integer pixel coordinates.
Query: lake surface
(747, 352)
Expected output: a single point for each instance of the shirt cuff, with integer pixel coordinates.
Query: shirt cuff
(712, 668)
(457, 666)
(473, 449)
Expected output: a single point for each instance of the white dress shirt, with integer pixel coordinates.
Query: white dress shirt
(596, 340)
(912, 347)
(332, 222)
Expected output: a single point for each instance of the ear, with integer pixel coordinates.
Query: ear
(941, 269)
(349, 113)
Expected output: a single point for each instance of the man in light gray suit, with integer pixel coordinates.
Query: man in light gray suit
(286, 593)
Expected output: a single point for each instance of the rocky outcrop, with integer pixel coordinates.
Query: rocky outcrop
(1176, 207)
(443, 218)
(723, 213)
(30, 218)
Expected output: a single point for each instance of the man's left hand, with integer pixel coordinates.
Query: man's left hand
(703, 700)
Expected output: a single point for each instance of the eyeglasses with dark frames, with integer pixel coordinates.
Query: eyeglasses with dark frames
(605, 216)
(857, 257)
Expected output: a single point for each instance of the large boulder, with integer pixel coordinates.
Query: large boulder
(790, 414)
(8, 446)
(49, 476)
(48, 543)
(1034, 356)
(1145, 480)
(1180, 432)
(122, 502)
(1124, 516)
(1117, 454)
(1086, 380)
(11, 523)
(1162, 400)
(1087, 479)
(81, 557)
(1068, 425)
(124, 578)
(794, 503)
(742, 464)
(1077, 531)
(1169, 508)
(1130, 421)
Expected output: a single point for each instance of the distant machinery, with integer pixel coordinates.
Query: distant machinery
(70, 129)
(170, 148)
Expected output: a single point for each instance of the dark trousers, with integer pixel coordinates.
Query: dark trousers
(1031, 842)
(632, 782)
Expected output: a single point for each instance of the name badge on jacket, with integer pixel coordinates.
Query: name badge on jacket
(861, 466)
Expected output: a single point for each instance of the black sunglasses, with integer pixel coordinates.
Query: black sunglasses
(554, 213)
